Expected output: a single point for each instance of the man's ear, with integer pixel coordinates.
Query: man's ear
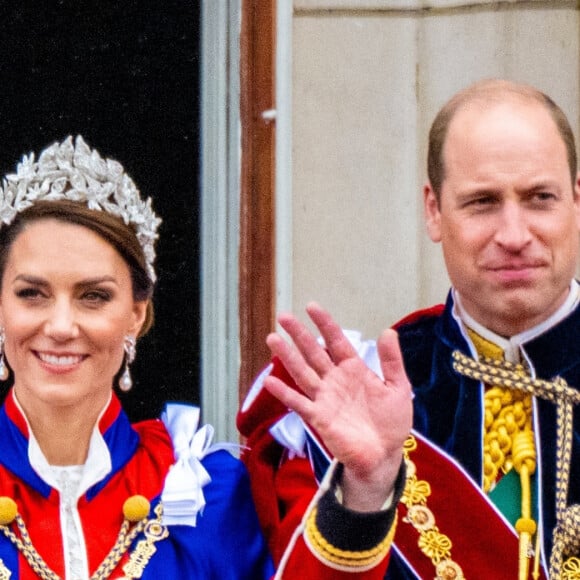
(576, 201)
(432, 213)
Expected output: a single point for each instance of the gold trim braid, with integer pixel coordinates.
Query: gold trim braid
(153, 530)
(346, 558)
(433, 543)
(566, 534)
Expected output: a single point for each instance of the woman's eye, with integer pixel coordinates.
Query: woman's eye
(96, 296)
(27, 293)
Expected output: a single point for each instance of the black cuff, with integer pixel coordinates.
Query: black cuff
(346, 529)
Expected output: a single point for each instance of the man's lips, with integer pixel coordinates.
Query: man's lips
(515, 266)
(514, 271)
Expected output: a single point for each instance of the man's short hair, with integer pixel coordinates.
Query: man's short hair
(491, 91)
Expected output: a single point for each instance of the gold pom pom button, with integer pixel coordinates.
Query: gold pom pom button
(526, 525)
(136, 508)
(8, 510)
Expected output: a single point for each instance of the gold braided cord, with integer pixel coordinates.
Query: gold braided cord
(566, 534)
(347, 558)
(571, 569)
(153, 528)
(432, 542)
(508, 443)
(507, 414)
(502, 373)
(154, 531)
(524, 454)
(564, 561)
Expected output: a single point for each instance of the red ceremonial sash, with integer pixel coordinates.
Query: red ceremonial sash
(483, 543)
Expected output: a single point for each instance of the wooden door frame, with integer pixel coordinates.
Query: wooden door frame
(257, 273)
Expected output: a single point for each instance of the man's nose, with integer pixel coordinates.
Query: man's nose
(513, 228)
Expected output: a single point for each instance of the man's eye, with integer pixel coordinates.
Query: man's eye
(481, 202)
(543, 196)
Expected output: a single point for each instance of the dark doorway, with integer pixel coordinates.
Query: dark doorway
(125, 75)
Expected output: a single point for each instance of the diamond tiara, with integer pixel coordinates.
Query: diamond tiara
(78, 173)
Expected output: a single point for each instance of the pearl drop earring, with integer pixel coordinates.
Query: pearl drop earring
(125, 382)
(4, 372)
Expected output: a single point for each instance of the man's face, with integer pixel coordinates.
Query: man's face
(509, 216)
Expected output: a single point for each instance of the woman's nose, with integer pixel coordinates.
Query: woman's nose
(61, 323)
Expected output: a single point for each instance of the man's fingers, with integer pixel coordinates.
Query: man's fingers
(391, 359)
(313, 353)
(304, 376)
(336, 342)
(289, 397)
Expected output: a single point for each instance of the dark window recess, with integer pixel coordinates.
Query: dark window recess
(125, 75)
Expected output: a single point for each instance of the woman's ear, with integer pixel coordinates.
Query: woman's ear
(139, 315)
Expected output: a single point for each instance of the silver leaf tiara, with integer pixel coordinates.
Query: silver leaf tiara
(78, 173)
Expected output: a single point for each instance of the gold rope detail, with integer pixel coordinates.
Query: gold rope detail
(566, 534)
(154, 531)
(4, 572)
(126, 536)
(507, 414)
(346, 557)
(434, 544)
(571, 569)
(508, 443)
(502, 373)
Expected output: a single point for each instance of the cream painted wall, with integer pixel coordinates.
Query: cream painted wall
(367, 78)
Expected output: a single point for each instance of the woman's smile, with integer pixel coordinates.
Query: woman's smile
(61, 362)
(71, 315)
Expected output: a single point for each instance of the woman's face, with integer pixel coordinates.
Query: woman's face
(66, 305)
